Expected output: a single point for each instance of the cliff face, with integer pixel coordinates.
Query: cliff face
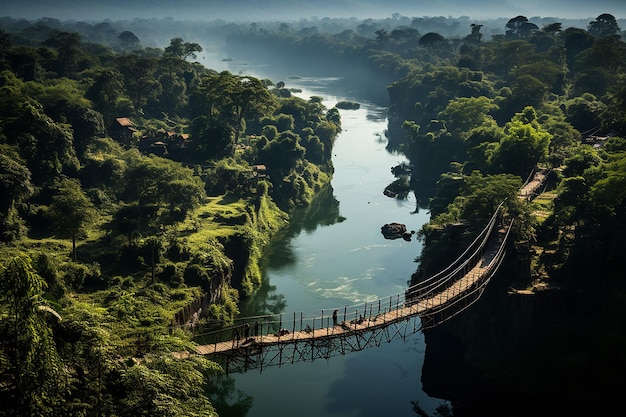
(512, 356)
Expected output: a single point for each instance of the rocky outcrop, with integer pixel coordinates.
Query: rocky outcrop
(396, 231)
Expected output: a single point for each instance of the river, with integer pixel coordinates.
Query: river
(334, 260)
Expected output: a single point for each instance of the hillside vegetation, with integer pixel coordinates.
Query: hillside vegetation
(139, 187)
(139, 191)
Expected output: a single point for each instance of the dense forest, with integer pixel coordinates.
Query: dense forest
(139, 190)
(140, 187)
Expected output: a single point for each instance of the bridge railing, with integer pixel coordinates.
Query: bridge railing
(287, 326)
(438, 311)
(460, 266)
(429, 298)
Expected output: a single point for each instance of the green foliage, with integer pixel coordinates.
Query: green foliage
(71, 212)
(15, 184)
(466, 113)
(182, 50)
(165, 386)
(32, 374)
(226, 310)
(522, 146)
(493, 110)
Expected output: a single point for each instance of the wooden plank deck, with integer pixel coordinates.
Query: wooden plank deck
(345, 328)
(533, 185)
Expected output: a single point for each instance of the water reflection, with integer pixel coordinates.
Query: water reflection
(331, 258)
(227, 399)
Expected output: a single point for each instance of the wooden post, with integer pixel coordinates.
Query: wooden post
(294, 323)
(345, 312)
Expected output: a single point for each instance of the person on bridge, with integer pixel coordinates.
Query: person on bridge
(335, 317)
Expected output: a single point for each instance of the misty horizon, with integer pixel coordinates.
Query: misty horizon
(266, 10)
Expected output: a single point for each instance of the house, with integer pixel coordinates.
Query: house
(122, 130)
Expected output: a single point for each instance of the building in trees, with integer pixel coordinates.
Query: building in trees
(122, 130)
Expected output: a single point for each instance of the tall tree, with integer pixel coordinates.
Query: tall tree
(16, 187)
(128, 41)
(183, 50)
(139, 79)
(604, 25)
(521, 148)
(71, 212)
(32, 377)
(68, 46)
(520, 28)
(105, 90)
(250, 99)
(433, 40)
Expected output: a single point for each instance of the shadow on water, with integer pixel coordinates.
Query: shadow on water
(228, 400)
(323, 211)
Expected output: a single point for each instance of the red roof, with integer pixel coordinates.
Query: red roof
(125, 122)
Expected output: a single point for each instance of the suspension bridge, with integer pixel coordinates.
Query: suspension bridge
(274, 340)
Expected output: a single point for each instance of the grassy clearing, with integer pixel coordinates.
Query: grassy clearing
(543, 205)
(219, 217)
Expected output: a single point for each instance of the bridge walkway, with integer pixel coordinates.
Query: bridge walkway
(264, 341)
(396, 309)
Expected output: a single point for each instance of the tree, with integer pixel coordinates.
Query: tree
(212, 138)
(182, 50)
(520, 28)
(466, 113)
(224, 102)
(16, 187)
(162, 184)
(282, 154)
(71, 212)
(552, 28)
(250, 99)
(575, 41)
(501, 57)
(174, 94)
(604, 25)
(68, 46)
(584, 158)
(139, 79)
(433, 40)
(529, 91)
(105, 90)
(475, 36)
(32, 377)
(521, 148)
(90, 348)
(128, 41)
(5, 43)
(164, 386)
(613, 116)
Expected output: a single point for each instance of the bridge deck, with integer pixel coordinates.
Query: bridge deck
(529, 189)
(437, 301)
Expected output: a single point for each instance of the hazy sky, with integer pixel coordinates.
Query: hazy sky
(256, 10)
